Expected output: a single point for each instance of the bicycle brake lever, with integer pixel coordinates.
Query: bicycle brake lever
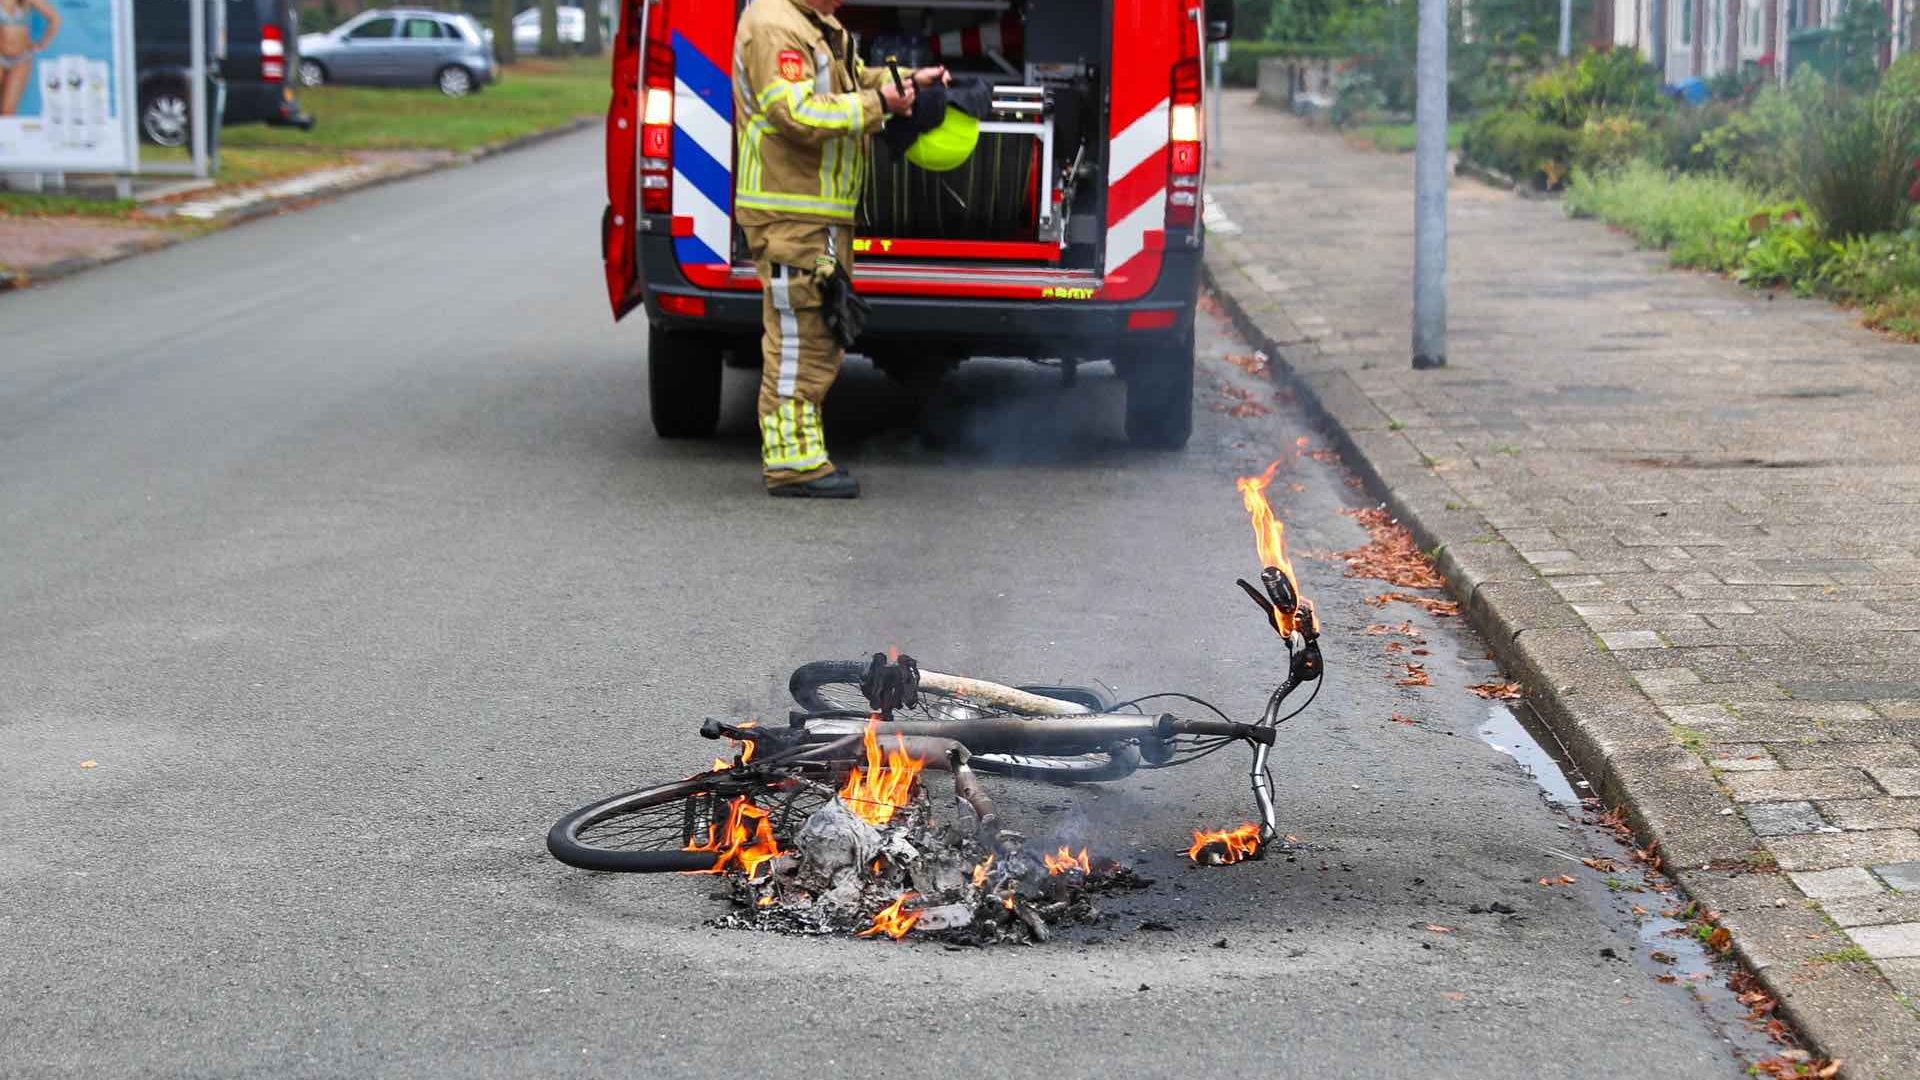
(1266, 605)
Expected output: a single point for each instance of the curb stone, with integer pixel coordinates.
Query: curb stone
(1613, 731)
(16, 280)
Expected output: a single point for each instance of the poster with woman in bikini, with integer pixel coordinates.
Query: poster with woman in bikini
(62, 63)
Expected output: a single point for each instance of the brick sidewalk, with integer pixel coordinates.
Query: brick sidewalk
(1690, 510)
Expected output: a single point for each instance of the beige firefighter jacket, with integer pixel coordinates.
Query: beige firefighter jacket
(801, 117)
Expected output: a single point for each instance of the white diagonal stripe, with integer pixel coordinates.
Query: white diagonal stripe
(710, 223)
(692, 114)
(1128, 236)
(1138, 142)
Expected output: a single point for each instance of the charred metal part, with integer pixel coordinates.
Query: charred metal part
(890, 685)
(1266, 605)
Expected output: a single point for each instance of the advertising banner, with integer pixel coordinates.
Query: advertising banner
(63, 98)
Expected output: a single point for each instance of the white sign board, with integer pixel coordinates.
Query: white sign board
(66, 90)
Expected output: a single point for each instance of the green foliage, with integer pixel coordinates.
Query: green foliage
(1700, 220)
(1786, 249)
(1862, 29)
(1852, 157)
(1355, 96)
(1753, 144)
(1523, 146)
(1613, 141)
(1865, 268)
(1243, 57)
(1616, 80)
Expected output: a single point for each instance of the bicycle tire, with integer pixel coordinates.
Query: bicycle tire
(649, 830)
(828, 685)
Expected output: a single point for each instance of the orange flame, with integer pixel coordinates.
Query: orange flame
(980, 872)
(886, 784)
(1269, 535)
(1223, 846)
(743, 843)
(892, 920)
(1066, 860)
(746, 755)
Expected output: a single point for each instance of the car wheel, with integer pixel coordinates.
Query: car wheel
(312, 73)
(1160, 394)
(683, 382)
(165, 116)
(454, 81)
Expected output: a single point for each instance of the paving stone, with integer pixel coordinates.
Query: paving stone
(1787, 784)
(1834, 884)
(1784, 818)
(1902, 877)
(1903, 973)
(1889, 941)
(1741, 757)
(1821, 755)
(1884, 812)
(1824, 851)
(1876, 909)
(1624, 640)
(1897, 781)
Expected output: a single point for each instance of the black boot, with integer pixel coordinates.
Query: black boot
(838, 484)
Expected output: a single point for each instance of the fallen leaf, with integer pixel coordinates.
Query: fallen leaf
(1666, 979)
(1453, 995)
(1565, 880)
(1399, 719)
(1602, 864)
(1438, 929)
(1390, 554)
(1251, 363)
(1416, 675)
(1429, 604)
(1720, 940)
(1663, 958)
(1497, 691)
(89, 764)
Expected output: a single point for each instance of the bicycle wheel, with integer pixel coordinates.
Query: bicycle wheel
(672, 827)
(825, 685)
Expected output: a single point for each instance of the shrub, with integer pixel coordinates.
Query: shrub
(1243, 57)
(1611, 142)
(1867, 267)
(1852, 159)
(1517, 143)
(1616, 80)
(1754, 144)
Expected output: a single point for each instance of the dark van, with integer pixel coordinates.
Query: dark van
(261, 37)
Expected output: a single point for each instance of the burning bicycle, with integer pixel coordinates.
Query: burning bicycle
(823, 824)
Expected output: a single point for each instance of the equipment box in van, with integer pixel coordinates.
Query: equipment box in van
(1074, 231)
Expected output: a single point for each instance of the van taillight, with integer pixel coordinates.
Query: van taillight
(656, 114)
(273, 53)
(1183, 145)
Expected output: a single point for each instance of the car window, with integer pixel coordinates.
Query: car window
(373, 28)
(421, 28)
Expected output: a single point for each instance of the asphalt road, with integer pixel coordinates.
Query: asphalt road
(341, 543)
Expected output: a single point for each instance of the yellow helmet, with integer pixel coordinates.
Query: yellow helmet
(948, 146)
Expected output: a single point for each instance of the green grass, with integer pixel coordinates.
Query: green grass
(23, 204)
(532, 96)
(1851, 954)
(1699, 219)
(1398, 138)
(253, 165)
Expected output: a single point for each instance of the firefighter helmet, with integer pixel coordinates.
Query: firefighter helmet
(948, 146)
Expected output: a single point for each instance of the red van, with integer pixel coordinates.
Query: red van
(1074, 232)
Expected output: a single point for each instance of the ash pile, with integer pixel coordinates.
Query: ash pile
(875, 868)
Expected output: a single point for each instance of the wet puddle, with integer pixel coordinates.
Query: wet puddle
(1642, 905)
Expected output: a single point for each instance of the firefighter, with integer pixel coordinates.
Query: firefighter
(803, 106)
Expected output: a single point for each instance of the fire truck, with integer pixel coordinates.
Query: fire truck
(1074, 232)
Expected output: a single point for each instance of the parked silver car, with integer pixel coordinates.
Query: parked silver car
(400, 47)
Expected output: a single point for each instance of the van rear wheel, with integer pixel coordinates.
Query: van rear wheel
(1159, 380)
(683, 383)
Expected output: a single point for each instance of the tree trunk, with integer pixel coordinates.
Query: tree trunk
(549, 27)
(596, 42)
(503, 32)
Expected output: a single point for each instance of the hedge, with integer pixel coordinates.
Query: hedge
(1243, 57)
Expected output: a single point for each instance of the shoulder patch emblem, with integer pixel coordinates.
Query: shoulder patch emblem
(793, 65)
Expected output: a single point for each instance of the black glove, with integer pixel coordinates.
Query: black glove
(844, 310)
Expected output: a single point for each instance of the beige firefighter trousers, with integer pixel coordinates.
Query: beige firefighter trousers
(799, 356)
